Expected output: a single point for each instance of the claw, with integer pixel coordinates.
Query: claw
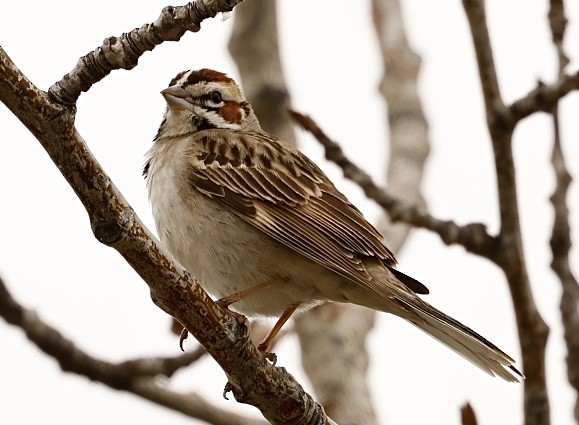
(183, 337)
(224, 303)
(228, 388)
(268, 355)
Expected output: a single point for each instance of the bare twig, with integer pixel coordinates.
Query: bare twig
(166, 366)
(473, 237)
(134, 376)
(72, 359)
(532, 329)
(191, 404)
(561, 235)
(124, 52)
(542, 98)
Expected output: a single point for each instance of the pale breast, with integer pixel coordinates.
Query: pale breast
(226, 254)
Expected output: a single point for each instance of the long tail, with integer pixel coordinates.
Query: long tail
(458, 337)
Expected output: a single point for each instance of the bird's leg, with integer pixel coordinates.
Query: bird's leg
(225, 302)
(264, 345)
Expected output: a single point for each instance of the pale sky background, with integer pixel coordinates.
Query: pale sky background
(52, 263)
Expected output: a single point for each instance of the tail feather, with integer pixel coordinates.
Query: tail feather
(459, 338)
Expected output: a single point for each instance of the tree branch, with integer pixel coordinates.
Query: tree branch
(134, 376)
(473, 237)
(191, 404)
(561, 235)
(253, 381)
(486, 64)
(409, 144)
(254, 45)
(532, 329)
(124, 52)
(542, 98)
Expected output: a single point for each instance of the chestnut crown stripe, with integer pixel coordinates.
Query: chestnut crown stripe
(192, 77)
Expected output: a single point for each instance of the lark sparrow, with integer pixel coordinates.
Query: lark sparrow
(265, 230)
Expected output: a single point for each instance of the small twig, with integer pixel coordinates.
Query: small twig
(190, 404)
(166, 366)
(473, 237)
(545, 96)
(72, 359)
(124, 52)
(134, 376)
(542, 98)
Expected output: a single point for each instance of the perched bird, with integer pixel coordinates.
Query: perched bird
(263, 228)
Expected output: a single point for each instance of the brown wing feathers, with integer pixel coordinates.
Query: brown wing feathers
(291, 201)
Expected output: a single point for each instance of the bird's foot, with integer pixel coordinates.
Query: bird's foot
(268, 355)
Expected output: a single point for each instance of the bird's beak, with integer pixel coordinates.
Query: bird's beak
(176, 98)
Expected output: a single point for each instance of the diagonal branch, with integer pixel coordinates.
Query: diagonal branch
(191, 404)
(253, 381)
(124, 52)
(473, 237)
(134, 376)
(72, 359)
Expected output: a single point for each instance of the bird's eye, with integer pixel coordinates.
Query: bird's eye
(216, 97)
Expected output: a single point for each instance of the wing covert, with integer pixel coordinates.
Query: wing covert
(281, 192)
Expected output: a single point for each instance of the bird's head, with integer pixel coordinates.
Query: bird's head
(205, 99)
